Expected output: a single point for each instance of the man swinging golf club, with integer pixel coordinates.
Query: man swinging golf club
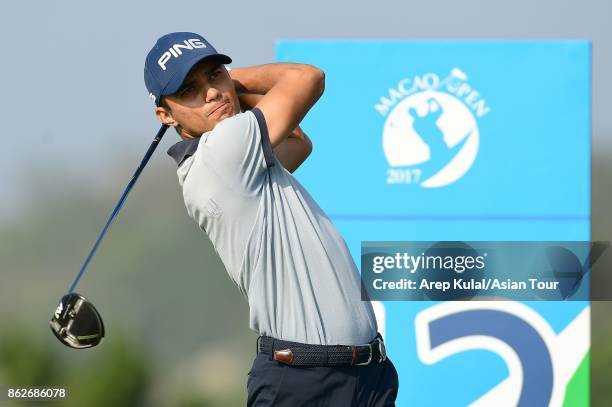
(318, 341)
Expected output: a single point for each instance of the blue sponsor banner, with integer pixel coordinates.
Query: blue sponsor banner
(515, 116)
(459, 140)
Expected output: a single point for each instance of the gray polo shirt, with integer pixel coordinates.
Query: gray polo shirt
(276, 243)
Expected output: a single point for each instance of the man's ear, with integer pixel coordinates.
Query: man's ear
(165, 116)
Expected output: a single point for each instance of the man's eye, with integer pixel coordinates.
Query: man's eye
(187, 90)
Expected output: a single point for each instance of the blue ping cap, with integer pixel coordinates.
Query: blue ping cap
(171, 59)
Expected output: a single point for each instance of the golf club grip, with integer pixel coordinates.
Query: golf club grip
(143, 163)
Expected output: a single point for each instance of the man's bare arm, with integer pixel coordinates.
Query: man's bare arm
(294, 149)
(289, 90)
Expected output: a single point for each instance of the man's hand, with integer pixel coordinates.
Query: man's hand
(294, 149)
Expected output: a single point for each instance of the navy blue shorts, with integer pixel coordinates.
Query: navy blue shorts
(271, 383)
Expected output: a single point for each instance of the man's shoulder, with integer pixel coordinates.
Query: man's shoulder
(238, 122)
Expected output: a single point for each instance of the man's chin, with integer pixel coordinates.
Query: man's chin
(224, 116)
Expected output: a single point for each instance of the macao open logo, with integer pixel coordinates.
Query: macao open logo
(431, 136)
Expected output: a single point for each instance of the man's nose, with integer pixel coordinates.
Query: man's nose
(212, 93)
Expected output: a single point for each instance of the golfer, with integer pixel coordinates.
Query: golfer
(318, 343)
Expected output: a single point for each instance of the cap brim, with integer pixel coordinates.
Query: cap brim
(178, 78)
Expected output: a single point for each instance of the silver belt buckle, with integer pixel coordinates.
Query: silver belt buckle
(383, 351)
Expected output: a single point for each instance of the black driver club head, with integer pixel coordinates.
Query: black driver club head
(77, 323)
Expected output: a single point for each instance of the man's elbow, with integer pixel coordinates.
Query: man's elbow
(316, 77)
(320, 78)
(304, 154)
(307, 148)
(306, 142)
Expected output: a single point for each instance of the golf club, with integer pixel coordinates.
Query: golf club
(76, 322)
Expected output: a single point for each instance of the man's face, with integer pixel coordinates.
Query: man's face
(206, 97)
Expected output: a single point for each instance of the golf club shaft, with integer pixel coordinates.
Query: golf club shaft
(143, 163)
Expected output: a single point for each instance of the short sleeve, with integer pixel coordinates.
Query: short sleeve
(239, 150)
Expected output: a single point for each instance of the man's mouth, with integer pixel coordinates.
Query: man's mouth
(218, 108)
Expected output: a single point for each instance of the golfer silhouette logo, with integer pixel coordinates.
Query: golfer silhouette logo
(431, 137)
(427, 129)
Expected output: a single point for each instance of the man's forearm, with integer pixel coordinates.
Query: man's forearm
(260, 79)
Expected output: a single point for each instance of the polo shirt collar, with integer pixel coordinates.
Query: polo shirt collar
(183, 149)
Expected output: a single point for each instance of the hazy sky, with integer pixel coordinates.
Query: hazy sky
(74, 99)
